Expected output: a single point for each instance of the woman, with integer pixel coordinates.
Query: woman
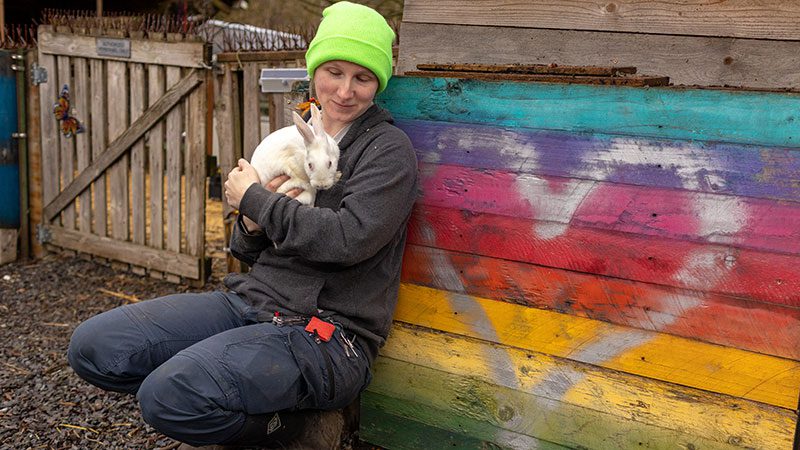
(239, 367)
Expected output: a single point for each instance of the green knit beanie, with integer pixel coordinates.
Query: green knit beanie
(354, 33)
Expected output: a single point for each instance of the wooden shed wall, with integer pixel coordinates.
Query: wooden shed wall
(750, 43)
(598, 267)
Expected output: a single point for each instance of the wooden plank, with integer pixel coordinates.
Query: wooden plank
(636, 81)
(67, 144)
(138, 200)
(8, 245)
(551, 69)
(759, 224)
(229, 148)
(397, 424)
(50, 140)
(748, 325)
(155, 149)
(753, 171)
(770, 19)
(35, 182)
(572, 404)
(118, 171)
(265, 56)
(195, 171)
(758, 118)
(723, 370)
(173, 146)
(145, 51)
(251, 121)
(82, 100)
(98, 129)
(686, 60)
(140, 255)
(121, 144)
(710, 268)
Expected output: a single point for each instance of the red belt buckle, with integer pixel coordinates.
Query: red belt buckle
(324, 330)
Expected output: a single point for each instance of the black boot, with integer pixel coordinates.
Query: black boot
(307, 429)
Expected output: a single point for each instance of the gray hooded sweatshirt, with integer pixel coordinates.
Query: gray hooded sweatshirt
(339, 260)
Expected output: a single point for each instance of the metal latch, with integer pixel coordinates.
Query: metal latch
(43, 234)
(38, 74)
(276, 80)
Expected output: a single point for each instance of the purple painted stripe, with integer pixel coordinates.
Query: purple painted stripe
(747, 170)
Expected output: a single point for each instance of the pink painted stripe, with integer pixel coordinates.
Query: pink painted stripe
(760, 224)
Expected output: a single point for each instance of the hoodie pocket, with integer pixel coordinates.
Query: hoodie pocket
(294, 291)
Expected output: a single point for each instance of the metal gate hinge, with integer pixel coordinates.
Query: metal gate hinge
(38, 74)
(17, 68)
(19, 135)
(43, 234)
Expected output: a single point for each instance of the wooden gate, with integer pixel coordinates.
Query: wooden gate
(131, 186)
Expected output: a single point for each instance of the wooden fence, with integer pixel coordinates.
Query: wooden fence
(131, 186)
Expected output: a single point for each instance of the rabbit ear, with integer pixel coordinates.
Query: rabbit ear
(316, 120)
(303, 128)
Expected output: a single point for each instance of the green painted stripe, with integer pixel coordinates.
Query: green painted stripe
(508, 411)
(762, 118)
(399, 424)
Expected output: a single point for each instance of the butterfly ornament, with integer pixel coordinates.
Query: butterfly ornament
(70, 126)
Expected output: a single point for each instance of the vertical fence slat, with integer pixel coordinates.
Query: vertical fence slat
(195, 171)
(252, 111)
(67, 144)
(50, 161)
(118, 173)
(155, 145)
(174, 123)
(229, 151)
(34, 127)
(82, 140)
(138, 192)
(97, 129)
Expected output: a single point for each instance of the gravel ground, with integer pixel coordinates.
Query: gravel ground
(44, 405)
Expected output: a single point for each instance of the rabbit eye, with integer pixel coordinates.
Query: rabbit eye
(329, 164)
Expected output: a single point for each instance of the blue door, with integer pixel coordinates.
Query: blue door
(9, 155)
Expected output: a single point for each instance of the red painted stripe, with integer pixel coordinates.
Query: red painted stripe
(760, 327)
(767, 277)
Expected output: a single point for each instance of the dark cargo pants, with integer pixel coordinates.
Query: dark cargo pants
(200, 363)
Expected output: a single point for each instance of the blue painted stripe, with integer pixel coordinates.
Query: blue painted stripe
(760, 118)
(713, 167)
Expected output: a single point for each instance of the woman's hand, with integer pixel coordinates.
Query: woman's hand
(239, 180)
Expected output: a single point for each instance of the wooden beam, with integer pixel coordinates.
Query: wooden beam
(120, 145)
(756, 19)
(139, 255)
(686, 60)
(183, 54)
(638, 81)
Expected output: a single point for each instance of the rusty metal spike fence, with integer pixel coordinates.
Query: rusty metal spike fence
(15, 36)
(226, 37)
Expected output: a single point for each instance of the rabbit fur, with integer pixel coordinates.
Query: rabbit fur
(305, 153)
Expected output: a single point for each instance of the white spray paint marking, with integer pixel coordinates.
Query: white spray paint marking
(704, 267)
(673, 307)
(554, 206)
(445, 275)
(689, 162)
(720, 218)
(471, 312)
(610, 345)
(507, 143)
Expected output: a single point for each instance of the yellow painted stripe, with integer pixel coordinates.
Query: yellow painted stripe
(566, 402)
(740, 373)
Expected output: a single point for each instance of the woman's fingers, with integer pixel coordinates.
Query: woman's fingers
(276, 182)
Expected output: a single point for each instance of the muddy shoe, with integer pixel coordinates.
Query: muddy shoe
(322, 431)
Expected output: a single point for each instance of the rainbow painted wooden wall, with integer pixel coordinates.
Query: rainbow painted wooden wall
(595, 267)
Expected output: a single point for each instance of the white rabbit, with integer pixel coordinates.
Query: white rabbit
(306, 153)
